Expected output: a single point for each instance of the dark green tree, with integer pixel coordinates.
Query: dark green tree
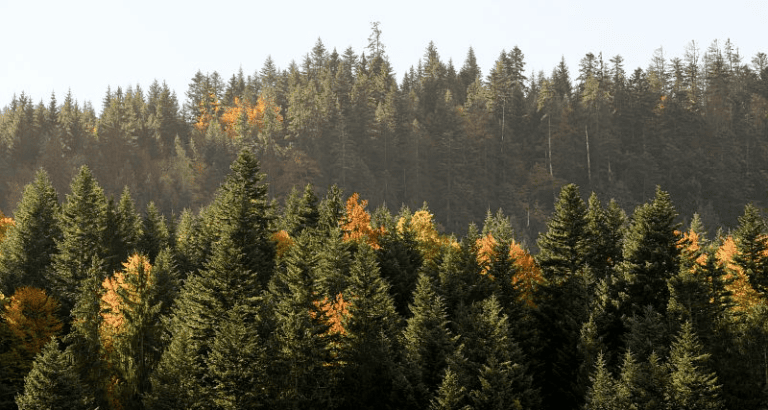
(563, 248)
(154, 233)
(428, 341)
(650, 254)
(54, 383)
(370, 340)
(83, 222)
(752, 247)
(27, 249)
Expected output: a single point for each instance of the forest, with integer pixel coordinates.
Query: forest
(222, 253)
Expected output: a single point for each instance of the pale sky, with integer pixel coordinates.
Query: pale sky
(87, 45)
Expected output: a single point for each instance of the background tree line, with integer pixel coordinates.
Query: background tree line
(462, 140)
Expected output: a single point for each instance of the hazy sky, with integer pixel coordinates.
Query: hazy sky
(87, 45)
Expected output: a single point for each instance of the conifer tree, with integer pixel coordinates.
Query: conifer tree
(602, 393)
(451, 394)
(752, 247)
(400, 260)
(237, 364)
(564, 300)
(691, 384)
(27, 249)
(428, 341)
(369, 342)
(154, 233)
(650, 254)
(83, 340)
(53, 383)
(124, 232)
(83, 226)
(302, 367)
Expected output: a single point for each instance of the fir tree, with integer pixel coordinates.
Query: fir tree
(27, 249)
(752, 246)
(83, 225)
(154, 233)
(53, 383)
(650, 254)
(428, 341)
(691, 384)
(602, 393)
(451, 394)
(369, 342)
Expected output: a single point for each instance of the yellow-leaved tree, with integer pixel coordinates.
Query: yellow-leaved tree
(130, 329)
(357, 223)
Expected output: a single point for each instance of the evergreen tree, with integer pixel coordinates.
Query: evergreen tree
(451, 394)
(124, 231)
(650, 254)
(302, 367)
(752, 247)
(83, 225)
(53, 383)
(369, 343)
(237, 364)
(691, 384)
(602, 393)
(563, 248)
(154, 233)
(27, 249)
(563, 303)
(428, 341)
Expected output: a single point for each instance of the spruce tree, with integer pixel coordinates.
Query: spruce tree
(53, 383)
(451, 395)
(83, 224)
(428, 341)
(650, 255)
(564, 299)
(691, 384)
(371, 329)
(752, 247)
(124, 231)
(302, 367)
(154, 233)
(27, 249)
(237, 364)
(602, 393)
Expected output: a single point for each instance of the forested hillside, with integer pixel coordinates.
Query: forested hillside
(464, 140)
(319, 303)
(324, 236)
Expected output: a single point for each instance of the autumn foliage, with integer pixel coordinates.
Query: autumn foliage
(112, 303)
(242, 116)
(527, 276)
(357, 224)
(744, 295)
(336, 312)
(422, 225)
(283, 241)
(31, 317)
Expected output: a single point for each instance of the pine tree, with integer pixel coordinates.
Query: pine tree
(691, 384)
(83, 226)
(371, 329)
(237, 364)
(27, 249)
(650, 254)
(428, 341)
(491, 353)
(53, 383)
(302, 367)
(752, 247)
(154, 233)
(602, 393)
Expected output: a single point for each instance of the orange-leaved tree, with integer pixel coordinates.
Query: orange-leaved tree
(744, 295)
(527, 275)
(242, 118)
(31, 316)
(356, 225)
(130, 330)
(421, 225)
(5, 223)
(283, 242)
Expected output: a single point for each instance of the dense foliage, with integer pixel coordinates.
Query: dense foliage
(258, 295)
(464, 140)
